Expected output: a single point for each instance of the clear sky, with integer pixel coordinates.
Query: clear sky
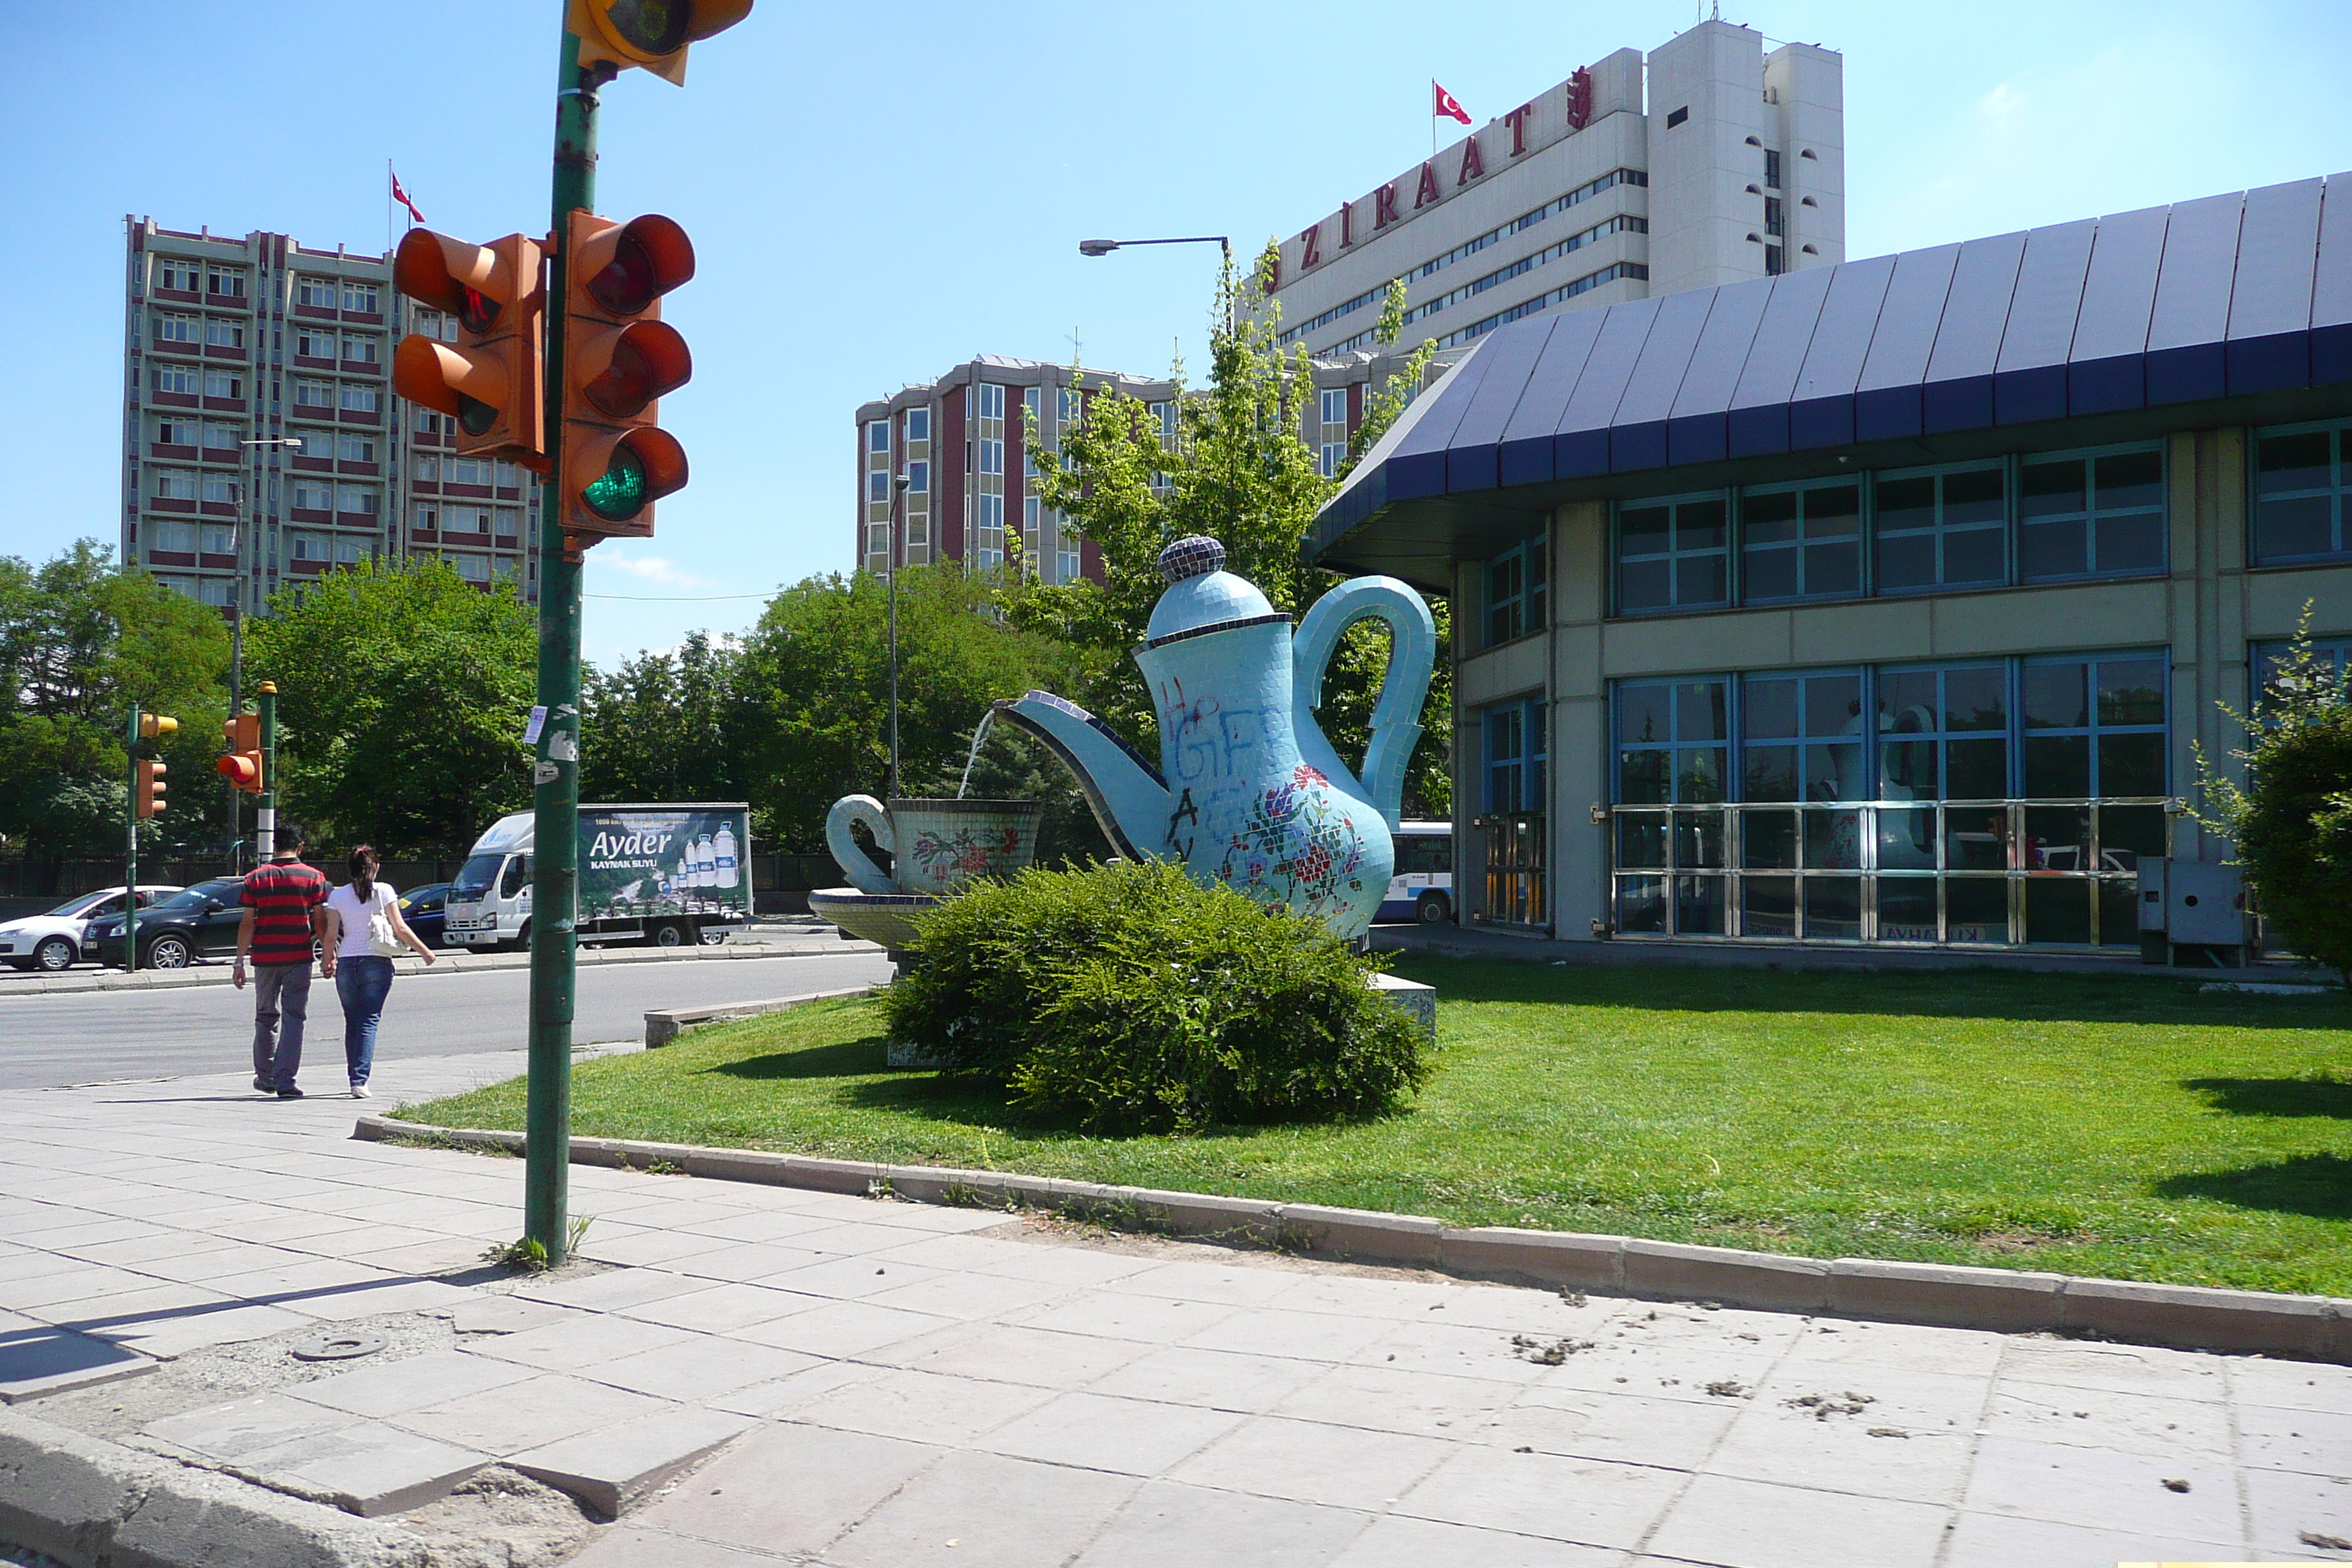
(878, 192)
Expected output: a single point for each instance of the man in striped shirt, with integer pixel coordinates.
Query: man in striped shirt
(284, 911)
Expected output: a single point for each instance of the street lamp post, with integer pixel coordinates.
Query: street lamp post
(1224, 246)
(236, 673)
(898, 507)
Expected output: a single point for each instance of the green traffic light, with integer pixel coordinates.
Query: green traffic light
(619, 493)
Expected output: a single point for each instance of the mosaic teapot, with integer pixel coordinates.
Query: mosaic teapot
(1248, 792)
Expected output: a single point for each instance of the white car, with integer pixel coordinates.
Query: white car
(57, 939)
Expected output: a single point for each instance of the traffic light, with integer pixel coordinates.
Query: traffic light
(147, 778)
(653, 34)
(619, 358)
(241, 766)
(491, 381)
(153, 726)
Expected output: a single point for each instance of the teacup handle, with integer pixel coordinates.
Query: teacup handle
(855, 863)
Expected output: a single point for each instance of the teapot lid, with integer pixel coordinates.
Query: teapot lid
(1202, 595)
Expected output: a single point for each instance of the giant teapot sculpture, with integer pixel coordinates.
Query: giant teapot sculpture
(1249, 792)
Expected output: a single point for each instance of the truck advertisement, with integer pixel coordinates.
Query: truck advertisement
(642, 861)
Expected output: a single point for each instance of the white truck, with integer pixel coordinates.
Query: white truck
(667, 875)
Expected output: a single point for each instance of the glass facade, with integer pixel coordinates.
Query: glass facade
(1511, 826)
(2301, 473)
(1976, 803)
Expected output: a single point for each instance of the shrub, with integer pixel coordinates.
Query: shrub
(1127, 998)
(2292, 822)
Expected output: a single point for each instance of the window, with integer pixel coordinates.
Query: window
(2300, 480)
(1772, 168)
(2097, 516)
(991, 400)
(467, 470)
(1164, 416)
(357, 501)
(919, 425)
(310, 547)
(2093, 727)
(317, 443)
(428, 517)
(1775, 261)
(1334, 401)
(217, 539)
(348, 551)
(176, 330)
(1801, 736)
(1671, 555)
(509, 476)
(991, 456)
(1776, 223)
(312, 344)
(2331, 657)
(1800, 544)
(1673, 740)
(224, 384)
(466, 520)
(472, 568)
(358, 398)
(222, 490)
(1067, 567)
(356, 448)
(1073, 405)
(314, 395)
(317, 292)
(361, 349)
(919, 478)
(221, 438)
(227, 285)
(313, 496)
(175, 432)
(428, 423)
(878, 486)
(177, 380)
(877, 435)
(1942, 529)
(218, 592)
(1514, 757)
(222, 334)
(1677, 117)
(359, 296)
(1944, 733)
(187, 586)
(507, 523)
(179, 538)
(174, 484)
(1515, 593)
(1330, 458)
(179, 275)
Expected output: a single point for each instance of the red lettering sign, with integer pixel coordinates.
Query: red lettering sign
(1384, 211)
(1579, 99)
(1427, 191)
(1517, 121)
(1346, 225)
(1472, 164)
(1311, 248)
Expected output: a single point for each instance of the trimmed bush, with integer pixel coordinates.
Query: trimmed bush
(1127, 998)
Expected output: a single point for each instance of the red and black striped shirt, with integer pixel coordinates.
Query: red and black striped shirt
(281, 894)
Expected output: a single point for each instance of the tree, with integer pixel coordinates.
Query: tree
(402, 692)
(81, 641)
(1237, 470)
(2291, 820)
(664, 726)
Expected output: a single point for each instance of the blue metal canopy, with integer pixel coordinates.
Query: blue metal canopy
(2142, 319)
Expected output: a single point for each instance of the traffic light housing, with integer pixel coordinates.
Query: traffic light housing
(492, 380)
(154, 726)
(242, 765)
(619, 358)
(147, 779)
(651, 34)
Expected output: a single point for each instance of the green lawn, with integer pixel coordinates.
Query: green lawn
(2123, 1126)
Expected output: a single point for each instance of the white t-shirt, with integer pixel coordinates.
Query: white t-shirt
(346, 903)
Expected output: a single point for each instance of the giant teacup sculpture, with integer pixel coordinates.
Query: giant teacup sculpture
(935, 846)
(1249, 791)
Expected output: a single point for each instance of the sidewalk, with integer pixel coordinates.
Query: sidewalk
(866, 1383)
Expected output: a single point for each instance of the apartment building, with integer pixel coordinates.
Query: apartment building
(961, 441)
(1882, 604)
(1710, 160)
(234, 347)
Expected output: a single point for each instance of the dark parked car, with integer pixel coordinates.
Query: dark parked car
(425, 909)
(176, 931)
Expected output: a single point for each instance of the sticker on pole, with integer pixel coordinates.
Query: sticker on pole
(537, 721)
(545, 773)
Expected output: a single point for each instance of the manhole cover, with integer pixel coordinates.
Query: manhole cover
(337, 1347)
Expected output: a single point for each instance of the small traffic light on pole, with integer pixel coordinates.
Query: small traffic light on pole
(242, 765)
(147, 776)
(619, 358)
(492, 380)
(634, 33)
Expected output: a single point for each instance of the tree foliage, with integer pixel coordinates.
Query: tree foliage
(2291, 820)
(80, 642)
(402, 692)
(666, 726)
(1237, 470)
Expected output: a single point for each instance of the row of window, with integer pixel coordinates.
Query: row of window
(433, 469)
(352, 397)
(1569, 291)
(184, 276)
(214, 331)
(505, 522)
(323, 293)
(1622, 224)
(178, 484)
(358, 501)
(349, 446)
(187, 381)
(218, 592)
(188, 538)
(209, 435)
(352, 348)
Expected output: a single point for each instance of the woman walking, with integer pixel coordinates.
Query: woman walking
(364, 930)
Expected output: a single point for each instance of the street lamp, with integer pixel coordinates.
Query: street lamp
(236, 665)
(897, 501)
(1225, 245)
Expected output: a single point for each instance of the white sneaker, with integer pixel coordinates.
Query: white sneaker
(359, 1091)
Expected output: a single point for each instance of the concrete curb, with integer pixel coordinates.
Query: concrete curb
(2311, 1328)
(454, 961)
(667, 1024)
(94, 1504)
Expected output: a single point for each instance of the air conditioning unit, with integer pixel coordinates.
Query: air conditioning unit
(2192, 912)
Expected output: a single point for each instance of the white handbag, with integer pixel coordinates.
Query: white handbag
(381, 940)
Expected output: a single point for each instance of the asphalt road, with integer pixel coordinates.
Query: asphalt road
(92, 1037)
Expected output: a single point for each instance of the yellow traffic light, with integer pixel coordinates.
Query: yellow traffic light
(491, 380)
(651, 34)
(147, 778)
(619, 359)
(152, 725)
(242, 765)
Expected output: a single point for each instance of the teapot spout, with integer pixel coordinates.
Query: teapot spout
(1126, 795)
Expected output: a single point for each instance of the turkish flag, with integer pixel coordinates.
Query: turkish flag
(1445, 105)
(401, 197)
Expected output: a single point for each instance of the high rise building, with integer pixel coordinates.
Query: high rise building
(233, 346)
(1730, 166)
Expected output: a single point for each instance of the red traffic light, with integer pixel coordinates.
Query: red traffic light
(490, 380)
(242, 765)
(619, 360)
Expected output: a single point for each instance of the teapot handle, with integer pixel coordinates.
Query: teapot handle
(855, 863)
(1396, 716)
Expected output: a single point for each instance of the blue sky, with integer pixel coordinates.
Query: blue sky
(878, 192)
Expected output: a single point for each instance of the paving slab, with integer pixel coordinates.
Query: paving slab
(411, 1382)
(367, 1468)
(1167, 1526)
(613, 1468)
(239, 1427)
(787, 1489)
(1751, 1524)
(528, 1415)
(1397, 1541)
(983, 1510)
(37, 1362)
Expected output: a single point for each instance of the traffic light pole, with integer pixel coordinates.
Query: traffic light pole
(555, 774)
(130, 850)
(265, 810)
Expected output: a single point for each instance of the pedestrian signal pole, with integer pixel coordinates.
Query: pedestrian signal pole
(265, 810)
(146, 800)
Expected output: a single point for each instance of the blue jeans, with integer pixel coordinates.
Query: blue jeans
(361, 984)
